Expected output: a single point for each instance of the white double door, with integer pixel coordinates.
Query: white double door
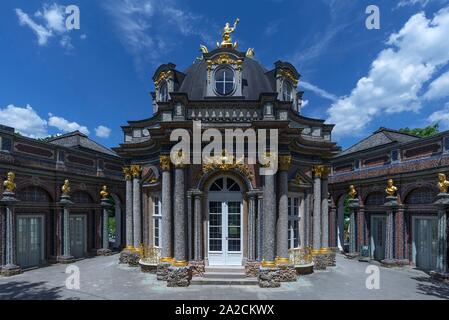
(225, 229)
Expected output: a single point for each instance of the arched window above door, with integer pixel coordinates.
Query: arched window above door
(225, 185)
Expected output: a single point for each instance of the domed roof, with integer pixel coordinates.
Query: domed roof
(255, 80)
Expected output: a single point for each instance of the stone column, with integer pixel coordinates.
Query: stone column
(105, 251)
(251, 226)
(189, 227)
(391, 205)
(197, 226)
(269, 221)
(400, 236)
(361, 229)
(324, 214)
(137, 203)
(282, 222)
(317, 210)
(302, 222)
(9, 200)
(180, 217)
(259, 226)
(65, 203)
(354, 206)
(442, 204)
(129, 209)
(167, 221)
(333, 227)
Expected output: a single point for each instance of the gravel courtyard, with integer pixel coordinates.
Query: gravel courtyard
(102, 278)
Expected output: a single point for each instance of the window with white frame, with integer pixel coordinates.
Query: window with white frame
(157, 221)
(293, 222)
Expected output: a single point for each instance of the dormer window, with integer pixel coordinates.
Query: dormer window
(163, 92)
(224, 81)
(287, 91)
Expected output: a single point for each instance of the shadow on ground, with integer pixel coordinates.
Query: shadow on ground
(431, 287)
(28, 291)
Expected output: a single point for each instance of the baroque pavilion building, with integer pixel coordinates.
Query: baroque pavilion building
(219, 214)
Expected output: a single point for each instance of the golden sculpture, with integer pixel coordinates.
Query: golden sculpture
(443, 184)
(352, 192)
(226, 163)
(226, 35)
(66, 188)
(104, 192)
(9, 184)
(204, 49)
(391, 189)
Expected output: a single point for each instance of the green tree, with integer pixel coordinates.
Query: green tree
(422, 132)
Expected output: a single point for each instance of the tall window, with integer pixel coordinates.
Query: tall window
(157, 221)
(293, 222)
(224, 81)
(163, 92)
(287, 91)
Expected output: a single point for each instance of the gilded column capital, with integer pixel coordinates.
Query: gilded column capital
(127, 173)
(165, 163)
(136, 171)
(284, 162)
(320, 171)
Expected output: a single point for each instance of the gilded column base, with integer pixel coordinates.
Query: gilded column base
(325, 250)
(316, 252)
(180, 264)
(282, 261)
(268, 264)
(166, 260)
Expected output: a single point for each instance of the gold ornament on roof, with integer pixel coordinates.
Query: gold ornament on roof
(226, 35)
(163, 76)
(204, 49)
(352, 192)
(287, 74)
(66, 188)
(250, 53)
(104, 192)
(443, 184)
(9, 184)
(391, 189)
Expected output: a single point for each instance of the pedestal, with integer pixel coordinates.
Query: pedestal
(179, 277)
(10, 268)
(66, 257)
(162, 271)
(441, 272)
(287, 273)
(269, 278)
(252, 269)
(105, 251)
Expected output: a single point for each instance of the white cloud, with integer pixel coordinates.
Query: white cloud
(102, 132)
(318, 91)
(25, 120)
(305, 103)
(65, 125)
(397, 75)
(422, 3)
(439, 88)
(148, 29)
(51, 23)
(441, 117)
(41, 32)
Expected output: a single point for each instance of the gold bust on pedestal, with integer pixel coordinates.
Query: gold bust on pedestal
(66, 188)
(391, 190)
(352, 192)
(443, 184)
(104, 193)
(9, 184)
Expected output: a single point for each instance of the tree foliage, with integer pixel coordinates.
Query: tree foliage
(422, 132)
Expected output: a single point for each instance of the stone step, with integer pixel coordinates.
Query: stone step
(226, 269)
(224, 281)
(224, 275)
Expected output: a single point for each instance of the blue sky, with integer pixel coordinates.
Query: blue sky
(95, 79)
